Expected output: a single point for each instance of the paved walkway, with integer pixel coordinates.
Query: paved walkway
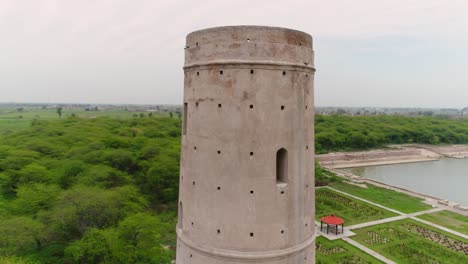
(368, 251)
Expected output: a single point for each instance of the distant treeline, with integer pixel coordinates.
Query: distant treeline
(338, 133)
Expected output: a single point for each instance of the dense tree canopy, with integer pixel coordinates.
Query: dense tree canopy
(90, 191)
(335, 133)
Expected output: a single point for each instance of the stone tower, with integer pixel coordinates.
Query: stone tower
(247, 165)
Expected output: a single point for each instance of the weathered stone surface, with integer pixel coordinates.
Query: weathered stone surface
(248, 98)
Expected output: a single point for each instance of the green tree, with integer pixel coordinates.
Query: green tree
(34, 197)
(20, 233)
(99, 246)
(59, 111)
(82, 208)
(137, 239)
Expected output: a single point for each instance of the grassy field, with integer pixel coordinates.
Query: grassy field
(352, 210)
(411, 242)
(392, 199)
(7, 125)
(11, 120)
(448, 219)
(340, 252)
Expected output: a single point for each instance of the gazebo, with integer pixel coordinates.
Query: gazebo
(333, 221)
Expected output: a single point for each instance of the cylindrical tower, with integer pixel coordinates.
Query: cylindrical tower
(247, 165)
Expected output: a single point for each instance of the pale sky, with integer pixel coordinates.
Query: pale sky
(397, 53)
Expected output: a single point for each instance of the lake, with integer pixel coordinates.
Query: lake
(446, 178)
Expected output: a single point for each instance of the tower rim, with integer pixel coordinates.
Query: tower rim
(248, 27)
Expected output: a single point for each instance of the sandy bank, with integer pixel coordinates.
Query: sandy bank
(400, 154)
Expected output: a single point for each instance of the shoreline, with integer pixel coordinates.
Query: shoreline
(333, 162)
(396, 154)
(427, 199)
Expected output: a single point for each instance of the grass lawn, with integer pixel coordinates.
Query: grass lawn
(408, 241)
(392, 199)
(351, 210)
(338, 251)
(12, 120)
(448, 219)
(9, 125)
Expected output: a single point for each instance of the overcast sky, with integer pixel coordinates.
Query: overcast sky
(409, 53)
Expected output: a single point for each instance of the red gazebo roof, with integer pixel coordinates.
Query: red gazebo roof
(332, 220)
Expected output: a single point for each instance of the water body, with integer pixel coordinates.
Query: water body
(446, 178)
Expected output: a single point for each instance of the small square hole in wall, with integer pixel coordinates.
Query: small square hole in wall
(194, 147)
(198, 73)
(251, 71)
(192, 223)
(193, 183)
(306, 106)
(219, 105)
(219, 188)
(282, 192)
(307, 75)
(220, 72)
(284, 73)
(307, 147)
(190, 255)
(196, 104)
(219, 231)
(251, 153)
(251, 192)
(282, 107)
(306, 224)
(251, 234)
(282, 231)
(251, 106)
(219, 151)
(307, 186)
(248, 40)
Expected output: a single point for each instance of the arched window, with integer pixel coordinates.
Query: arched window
(180, 216)
(282, 166)
(184, 128)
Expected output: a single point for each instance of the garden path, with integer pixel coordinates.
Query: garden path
(368, 251)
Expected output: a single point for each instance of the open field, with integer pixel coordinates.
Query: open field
(448, 219)
(11, 120)
(352, 210)
(408, 241)
(389, 198)
(13, 124)
(340, 252)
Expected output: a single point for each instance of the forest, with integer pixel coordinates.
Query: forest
(89, 191)
(104, 189)
(343, 133)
